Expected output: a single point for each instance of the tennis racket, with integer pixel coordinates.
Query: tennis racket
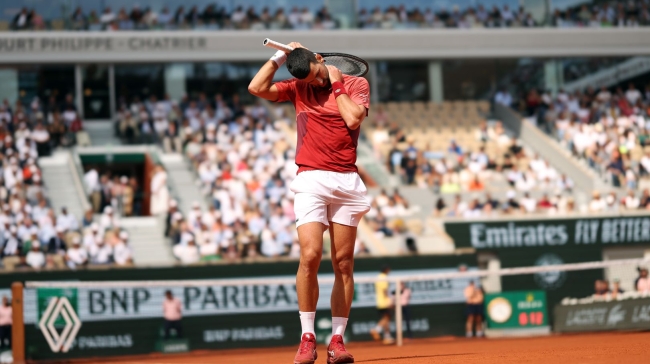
(347, 63)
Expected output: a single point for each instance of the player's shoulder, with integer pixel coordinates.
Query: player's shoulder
(347, 79)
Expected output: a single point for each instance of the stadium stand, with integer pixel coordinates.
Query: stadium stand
(33, 235)
(607, 129)
(244, 164)
(212, 17)
(450, 148)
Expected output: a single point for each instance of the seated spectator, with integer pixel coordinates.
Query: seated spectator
(100, 253)
(187, 253)
(35, 258)
(122, 251)
(57, 244)
(66, 221)
(76, 256)
(597, 204)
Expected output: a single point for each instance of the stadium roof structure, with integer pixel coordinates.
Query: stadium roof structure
(178, 46)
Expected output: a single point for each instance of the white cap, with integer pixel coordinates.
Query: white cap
(177, 216)
(13, 229)
(36, 244)
(124, 179)
(94, 226)
(196, 205)
(108, 210)
(124, 235)
(511, 194)
(60, 229)
(76, 240)
(173, 203)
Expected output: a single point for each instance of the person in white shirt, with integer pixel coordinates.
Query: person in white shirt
(209, 248)
(529, 203)
(121, 251)
(107, 17)
(11, 244)
(108, 220)
(91, 235)
(270, 246)
(187, 253)
(632, 94)
(76, 256)
(67, 221)
(631, 201)
(172, 313)
(100, 253)
(597, 204)
(35, 258)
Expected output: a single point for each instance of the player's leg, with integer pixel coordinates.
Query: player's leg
(347, 207)
(385, 324)
(478, 324)
(310, 236)
(469, 325)
(342, 250)
(311, 221)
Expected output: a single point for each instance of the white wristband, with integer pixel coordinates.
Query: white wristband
(279, 58)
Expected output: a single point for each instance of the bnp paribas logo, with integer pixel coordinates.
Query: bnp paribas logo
(58, 318)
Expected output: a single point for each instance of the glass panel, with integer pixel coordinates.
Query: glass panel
(45, 82)
(221, 78)
(466, 79)
(402, 81)
(96, 94)
(139, 80)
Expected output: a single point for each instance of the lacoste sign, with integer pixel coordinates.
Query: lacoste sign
(600, 316)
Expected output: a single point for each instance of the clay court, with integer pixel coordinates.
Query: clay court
(628, 348)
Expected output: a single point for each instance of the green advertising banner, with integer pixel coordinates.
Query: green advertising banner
(523, 234)
(44, 297)
(214, 332)
(516, 310)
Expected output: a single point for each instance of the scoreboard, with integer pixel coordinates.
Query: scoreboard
(517, 310)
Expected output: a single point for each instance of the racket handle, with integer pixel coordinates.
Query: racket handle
(276, 45)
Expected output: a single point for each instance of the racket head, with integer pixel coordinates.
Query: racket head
(347, 63)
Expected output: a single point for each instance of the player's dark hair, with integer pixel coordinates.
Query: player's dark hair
(299, 62)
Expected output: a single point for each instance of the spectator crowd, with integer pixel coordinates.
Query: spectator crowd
(608, 128)
(245, 164)
(213, 17)
(32, 234)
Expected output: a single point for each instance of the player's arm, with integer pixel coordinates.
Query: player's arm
(262, 84)
(352, 113)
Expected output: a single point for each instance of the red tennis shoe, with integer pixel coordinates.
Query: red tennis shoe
(336, 353)
(307, 351)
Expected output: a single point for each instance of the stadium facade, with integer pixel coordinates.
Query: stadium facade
(100, 67)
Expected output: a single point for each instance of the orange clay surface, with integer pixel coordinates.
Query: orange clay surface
(620, 347)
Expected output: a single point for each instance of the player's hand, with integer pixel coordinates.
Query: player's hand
(334, 74)
(295, 45)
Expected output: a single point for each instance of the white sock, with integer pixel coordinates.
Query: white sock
(307, 322)
(338, 325)
(379, 329)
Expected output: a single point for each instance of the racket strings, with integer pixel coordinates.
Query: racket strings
(349, 66)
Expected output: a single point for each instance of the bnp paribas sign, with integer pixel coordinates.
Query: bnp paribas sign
(573, 232)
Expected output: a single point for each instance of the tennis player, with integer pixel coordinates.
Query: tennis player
(330, 108)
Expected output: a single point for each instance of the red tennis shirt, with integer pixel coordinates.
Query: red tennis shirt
(325, 142)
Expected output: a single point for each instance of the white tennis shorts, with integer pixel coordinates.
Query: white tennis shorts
(324, 196)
